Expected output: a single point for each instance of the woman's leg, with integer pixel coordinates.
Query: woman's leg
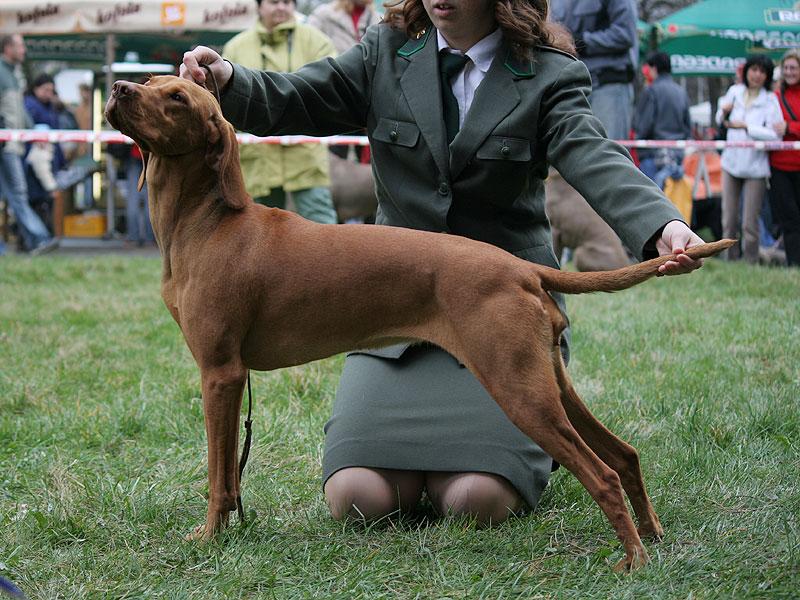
(754, 191)
(489, 499)
(785, 199)
(137, 216)
(731, 191)
(369, 494)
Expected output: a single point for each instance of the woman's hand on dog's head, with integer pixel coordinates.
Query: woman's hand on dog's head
(193, 62)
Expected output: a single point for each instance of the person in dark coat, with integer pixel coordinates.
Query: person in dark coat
(662, 113)
(43, 159)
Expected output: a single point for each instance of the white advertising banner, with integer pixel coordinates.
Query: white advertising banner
(77, 16)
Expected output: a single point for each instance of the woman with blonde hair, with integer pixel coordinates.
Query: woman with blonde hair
(785, 184)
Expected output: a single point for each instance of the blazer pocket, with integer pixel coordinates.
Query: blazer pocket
(398, 133)
(498, 147)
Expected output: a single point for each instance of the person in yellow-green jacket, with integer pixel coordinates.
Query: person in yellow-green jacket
(277, 42)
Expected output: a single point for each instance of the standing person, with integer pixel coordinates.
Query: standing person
(344, 21)
(606, 40)
(785, 182)
(604, 32)
(278, 42)
(464, 110)
(662, 113)
(33, 232)
(83, 117)
(43, 159)
(750, 111)
(139, 230)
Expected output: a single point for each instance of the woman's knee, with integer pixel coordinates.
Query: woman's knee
(369, 494)
(489, 499)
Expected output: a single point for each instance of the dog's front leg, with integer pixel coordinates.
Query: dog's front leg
(222, 401)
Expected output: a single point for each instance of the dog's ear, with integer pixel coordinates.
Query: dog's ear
(222, 155)
(145, 157)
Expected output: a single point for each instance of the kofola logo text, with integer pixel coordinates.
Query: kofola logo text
(37, 13)
(104, 17)
(224, 14)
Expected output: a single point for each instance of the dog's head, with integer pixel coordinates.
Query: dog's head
(170, 116)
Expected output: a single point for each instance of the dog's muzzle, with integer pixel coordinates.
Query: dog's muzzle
(120, 91)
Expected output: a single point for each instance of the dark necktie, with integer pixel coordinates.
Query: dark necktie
(449, 65)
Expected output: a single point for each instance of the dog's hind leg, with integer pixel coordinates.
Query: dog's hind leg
(518, 373)
(222, 400)
(617, 454)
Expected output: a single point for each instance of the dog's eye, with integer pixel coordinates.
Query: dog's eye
(177, 97)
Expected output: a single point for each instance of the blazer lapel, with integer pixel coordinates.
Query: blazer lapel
(495, 98)
(420, 85)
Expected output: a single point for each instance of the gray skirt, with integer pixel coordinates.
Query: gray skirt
(425, 412)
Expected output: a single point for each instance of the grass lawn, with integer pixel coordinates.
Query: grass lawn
(102, 454)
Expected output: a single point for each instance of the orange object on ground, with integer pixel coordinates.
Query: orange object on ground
(85, 225)
(679, 191)
(713, 168)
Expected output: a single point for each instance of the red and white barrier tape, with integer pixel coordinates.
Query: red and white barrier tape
(115, 137)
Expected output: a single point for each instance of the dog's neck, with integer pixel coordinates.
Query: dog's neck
(183, 194)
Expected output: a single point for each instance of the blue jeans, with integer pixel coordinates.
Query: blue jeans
(15, 189)
(612, 103)
(137, 210)
(668, 163)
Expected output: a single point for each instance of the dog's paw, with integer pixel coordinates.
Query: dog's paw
(653, 532)
(636, 560)
(201, 533)
(198, 534)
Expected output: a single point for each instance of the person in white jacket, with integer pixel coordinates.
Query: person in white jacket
(749, 111)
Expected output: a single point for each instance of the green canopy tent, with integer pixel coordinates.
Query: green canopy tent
(713, 37)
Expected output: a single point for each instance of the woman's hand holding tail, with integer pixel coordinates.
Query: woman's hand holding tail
(675, 239)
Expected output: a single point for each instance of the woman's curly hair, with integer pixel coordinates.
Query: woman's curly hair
(524, 23)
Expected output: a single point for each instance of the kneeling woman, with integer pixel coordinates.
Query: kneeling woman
(465, 110)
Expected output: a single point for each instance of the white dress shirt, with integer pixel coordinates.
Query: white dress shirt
(467, 81)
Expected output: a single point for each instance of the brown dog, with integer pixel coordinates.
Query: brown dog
(259, 288)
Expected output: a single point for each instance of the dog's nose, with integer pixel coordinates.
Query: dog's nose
(123, 88)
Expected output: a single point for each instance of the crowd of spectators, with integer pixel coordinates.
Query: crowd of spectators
(760, 189)
(760, 198)
(31, 173)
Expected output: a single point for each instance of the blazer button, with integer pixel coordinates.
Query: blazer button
(505, 151)
(393, 135)
(444, 189)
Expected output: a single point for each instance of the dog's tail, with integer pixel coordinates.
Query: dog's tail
(569, 282)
